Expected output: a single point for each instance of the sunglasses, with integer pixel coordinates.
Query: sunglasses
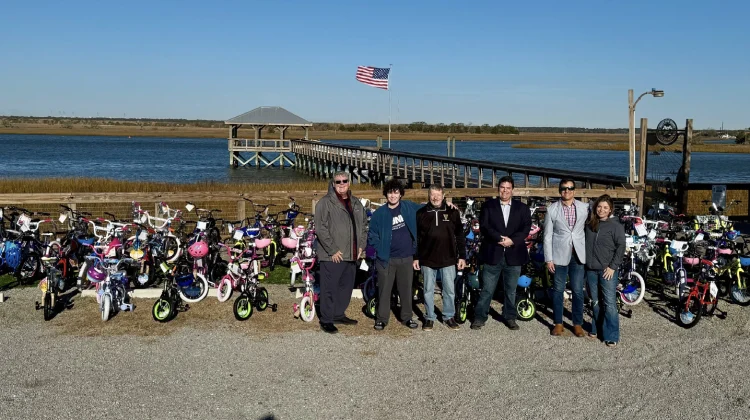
(567, 189)
(341, 181)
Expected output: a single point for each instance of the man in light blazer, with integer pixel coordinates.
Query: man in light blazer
(565, 253)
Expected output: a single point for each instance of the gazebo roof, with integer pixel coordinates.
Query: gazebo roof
(270, 115)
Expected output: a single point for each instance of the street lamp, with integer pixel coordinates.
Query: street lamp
(631, 130)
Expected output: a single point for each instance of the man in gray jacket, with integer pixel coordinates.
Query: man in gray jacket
(340, 227)
(565, 253)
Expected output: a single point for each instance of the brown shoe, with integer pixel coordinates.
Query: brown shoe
(558, 330)
(578, 331)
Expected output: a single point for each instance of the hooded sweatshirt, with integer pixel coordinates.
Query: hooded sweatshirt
(440, 236)
(606, 247)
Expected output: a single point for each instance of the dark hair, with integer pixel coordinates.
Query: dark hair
(392, 185)
(506, 178)
(594, 218)
(565, 181)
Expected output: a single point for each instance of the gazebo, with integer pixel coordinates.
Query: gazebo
(260, 118)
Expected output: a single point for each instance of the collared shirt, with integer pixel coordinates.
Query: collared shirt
(506, 211)
(570, 213)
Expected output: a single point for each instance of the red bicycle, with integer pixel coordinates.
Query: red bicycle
(700, 298)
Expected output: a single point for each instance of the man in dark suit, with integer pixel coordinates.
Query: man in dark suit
(505, 224)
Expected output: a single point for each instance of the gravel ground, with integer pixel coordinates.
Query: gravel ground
(221, 368)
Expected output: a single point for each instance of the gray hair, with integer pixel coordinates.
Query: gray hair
(436, 187)
(341, 173)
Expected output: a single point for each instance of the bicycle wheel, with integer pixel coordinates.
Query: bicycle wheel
(307, 309)
(224, 289)
(738, 291)
(689, 311)
(463, 311)
(243, 309)
(163, 310)
(369, 289)
(172, 249)
(47, 306)
(261, 298)
(633, 289)
(106, 306)
(196, 291)
(525, 308)
(28, 269)
(372, 306)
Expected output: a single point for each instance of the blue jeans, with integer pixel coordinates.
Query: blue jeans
(448, 275)
(575, 271)
(610, 322)
(490, 277)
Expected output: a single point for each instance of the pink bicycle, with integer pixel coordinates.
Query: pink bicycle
(306, 308)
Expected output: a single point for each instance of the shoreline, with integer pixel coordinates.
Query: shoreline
(222, 133)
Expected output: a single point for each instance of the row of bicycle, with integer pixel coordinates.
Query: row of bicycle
(112, 255)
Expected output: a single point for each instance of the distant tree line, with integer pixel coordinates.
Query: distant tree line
(414, 127)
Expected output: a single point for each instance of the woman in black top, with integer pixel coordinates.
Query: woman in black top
(605, 247)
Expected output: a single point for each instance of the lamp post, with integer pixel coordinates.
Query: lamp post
(631, 129)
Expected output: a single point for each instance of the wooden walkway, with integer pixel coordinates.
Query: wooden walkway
(375, 165)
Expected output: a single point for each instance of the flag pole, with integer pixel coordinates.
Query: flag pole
(390, 69)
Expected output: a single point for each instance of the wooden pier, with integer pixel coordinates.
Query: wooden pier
(420, 170)
(375, 164)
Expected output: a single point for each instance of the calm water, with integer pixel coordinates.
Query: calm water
(190, 160)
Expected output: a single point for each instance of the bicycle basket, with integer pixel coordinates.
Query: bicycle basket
(745, 260)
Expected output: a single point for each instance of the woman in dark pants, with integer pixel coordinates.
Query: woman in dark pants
(605, 247)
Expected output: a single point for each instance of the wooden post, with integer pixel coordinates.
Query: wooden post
(683, 178)
(421, 167)
(642, 157)
(466, 176)
(454, 146)
(241, 210)
(480, 173)
(442, 174)
(494, 179)
(448, 146)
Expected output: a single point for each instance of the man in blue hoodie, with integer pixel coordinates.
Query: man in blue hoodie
(393, 232)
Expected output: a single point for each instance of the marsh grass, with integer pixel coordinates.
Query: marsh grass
(92, 185)
(674, 148)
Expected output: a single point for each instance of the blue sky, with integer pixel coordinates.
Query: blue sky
(533, 63)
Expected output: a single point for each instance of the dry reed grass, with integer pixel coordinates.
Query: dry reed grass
(675, 148)
(90, 185)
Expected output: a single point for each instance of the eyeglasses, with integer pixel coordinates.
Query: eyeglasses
(567, 189)
(341, 181)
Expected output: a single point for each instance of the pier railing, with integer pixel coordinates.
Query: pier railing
(450, 172)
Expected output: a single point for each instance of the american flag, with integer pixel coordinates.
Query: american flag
(373, 76)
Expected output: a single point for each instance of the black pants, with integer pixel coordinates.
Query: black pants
(400, 271)
(336, 285)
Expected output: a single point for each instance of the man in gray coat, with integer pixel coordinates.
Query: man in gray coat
(565, 253)
(340, 227)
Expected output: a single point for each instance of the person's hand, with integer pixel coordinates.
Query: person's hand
(359, 254)
(505, 241)
(451, 205)
(608, 273)
(415, 265)
(461, 264)
(337, 257)
(551, 267)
